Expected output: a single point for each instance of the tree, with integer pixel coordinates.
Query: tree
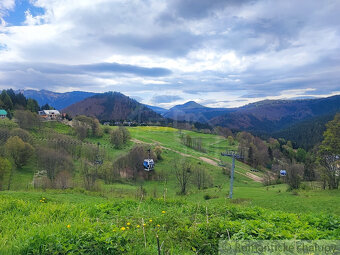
(5, 166)
(250, 159)
(89, 174)
(158, 152)
(19, 151)
(54, 162)
(329, 153)
(81, 132)
(23, 134)
(92, 124)
(294, 175)
(26, 119)
(6, 100)
(32, 105)
(96, 128)
(117, 138)
(183, 175)
(125, 134)
(201, 177)
(19, 100)
(270, 154)
(231, 140)
(46, 107)
(301, 155)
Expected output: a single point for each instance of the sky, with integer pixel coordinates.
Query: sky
(219, 53)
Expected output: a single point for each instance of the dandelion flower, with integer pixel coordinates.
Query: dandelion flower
(144, 224)
(138, 226)
(158, 225)
(68, 226)
(163, 212)
(128, 223)
(150, 220)
(122, 228)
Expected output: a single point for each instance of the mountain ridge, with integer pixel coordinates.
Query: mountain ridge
(56, 99)
(113, 106)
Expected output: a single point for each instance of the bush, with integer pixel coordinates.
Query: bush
(18, 150)
(120, 137)
(27, 119)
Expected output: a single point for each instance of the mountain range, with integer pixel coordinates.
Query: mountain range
(278, 118)
(57, 100)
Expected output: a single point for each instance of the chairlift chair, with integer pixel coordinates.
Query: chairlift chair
(148, 163)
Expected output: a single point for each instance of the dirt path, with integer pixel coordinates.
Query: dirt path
(248, 175)
(254, 177)
(206, 160)
(209, 161)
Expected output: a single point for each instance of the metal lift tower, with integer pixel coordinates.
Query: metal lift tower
(234, 155)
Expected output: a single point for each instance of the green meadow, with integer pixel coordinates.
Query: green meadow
(132, 217)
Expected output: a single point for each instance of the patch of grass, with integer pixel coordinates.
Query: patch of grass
(76, 223)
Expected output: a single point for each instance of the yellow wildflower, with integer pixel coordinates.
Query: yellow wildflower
(128, 223)
(138, 226)
(163, 212)
(122, 228)
(150, 220)
(68, 226)
(144, 224)
(158, 225)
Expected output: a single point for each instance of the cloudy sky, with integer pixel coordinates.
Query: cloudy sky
(220, 53)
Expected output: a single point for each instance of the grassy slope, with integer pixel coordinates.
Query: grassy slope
(246, 190)
(38, 225)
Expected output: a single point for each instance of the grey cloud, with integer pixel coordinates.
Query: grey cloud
(195, 9)
(165, 99)
(172, 44)
(90, 68)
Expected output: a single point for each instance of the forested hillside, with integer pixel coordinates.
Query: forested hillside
(113, 106)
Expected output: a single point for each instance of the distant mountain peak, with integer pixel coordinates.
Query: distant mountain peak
(189, 105)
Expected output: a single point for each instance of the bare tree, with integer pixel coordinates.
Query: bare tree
(183, 174)
(90, 175)
(53, 162)
(201, 177)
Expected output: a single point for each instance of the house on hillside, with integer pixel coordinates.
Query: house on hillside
(3, 114)
(49, 114)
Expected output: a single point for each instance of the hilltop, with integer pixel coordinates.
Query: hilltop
(192, 111)
(113, 106)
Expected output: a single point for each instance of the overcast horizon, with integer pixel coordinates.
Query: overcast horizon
(217, 53)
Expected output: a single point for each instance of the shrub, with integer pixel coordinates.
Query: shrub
(18, 150)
